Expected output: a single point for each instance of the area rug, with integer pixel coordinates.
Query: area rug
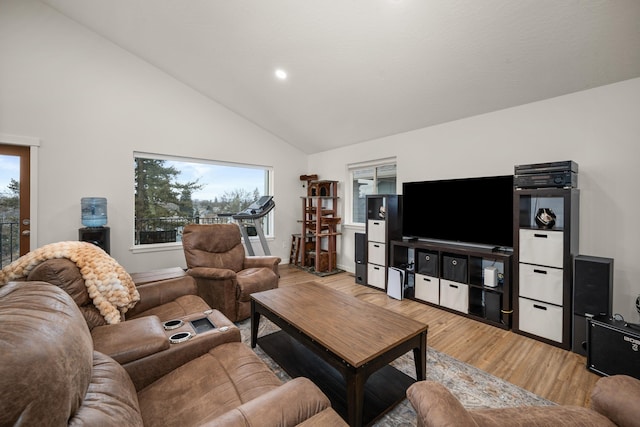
(472, 386)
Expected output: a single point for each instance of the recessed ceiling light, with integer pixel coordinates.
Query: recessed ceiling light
(281, 74)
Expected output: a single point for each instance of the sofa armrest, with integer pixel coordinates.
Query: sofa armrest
(130, 340)
(153, 367)
(436, 406)
(156, 287)
(287, 405)
(271, 262)
(157, 275)
(211, 273)
(617, 397)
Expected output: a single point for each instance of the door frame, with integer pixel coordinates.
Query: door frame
(33, 144)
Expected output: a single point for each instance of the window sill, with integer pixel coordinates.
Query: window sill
(177, 246)
(156, 247)
(354, 226)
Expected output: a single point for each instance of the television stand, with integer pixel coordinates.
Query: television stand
(452, 277)
(502, 249)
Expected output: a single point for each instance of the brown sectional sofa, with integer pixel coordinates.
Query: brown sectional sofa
(51, 374)
(140, 343)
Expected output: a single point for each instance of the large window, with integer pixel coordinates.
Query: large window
(370, 178)
(171, 192)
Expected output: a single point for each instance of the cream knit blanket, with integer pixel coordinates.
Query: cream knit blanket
(109, 286)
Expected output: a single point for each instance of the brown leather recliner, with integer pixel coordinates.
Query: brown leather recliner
(50, 374)
(614, 402)
(225, 276)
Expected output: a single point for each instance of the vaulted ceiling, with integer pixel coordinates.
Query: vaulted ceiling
(363, 69)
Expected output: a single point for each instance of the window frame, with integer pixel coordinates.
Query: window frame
(269, 227)
(349, 193)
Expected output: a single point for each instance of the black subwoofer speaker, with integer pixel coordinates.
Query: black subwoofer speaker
(592, 295)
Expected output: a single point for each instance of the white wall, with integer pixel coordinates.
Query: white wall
(597, 128)
(92, 105)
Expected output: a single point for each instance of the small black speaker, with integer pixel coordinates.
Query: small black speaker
(592, 285)
(361, 258)
(361, 248)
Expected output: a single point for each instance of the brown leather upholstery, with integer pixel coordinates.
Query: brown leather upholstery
(225, 276)
(51, 375)
(115, 340)
(140, 343)
(66, 275)
(167, 299)
(613, 403)
(617, 397)
(326, 418)
(49, 372)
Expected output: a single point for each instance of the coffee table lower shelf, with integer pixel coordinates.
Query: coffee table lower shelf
(384, 389)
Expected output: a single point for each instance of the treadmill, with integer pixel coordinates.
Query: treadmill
(250, 222)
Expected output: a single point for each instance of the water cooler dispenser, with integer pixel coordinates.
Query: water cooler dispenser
(94, 219)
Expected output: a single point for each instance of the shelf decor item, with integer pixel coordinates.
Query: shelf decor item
(545, 218)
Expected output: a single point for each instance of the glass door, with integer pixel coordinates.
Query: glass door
(14, 202)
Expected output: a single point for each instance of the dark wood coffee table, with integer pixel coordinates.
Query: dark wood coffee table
(341, 343)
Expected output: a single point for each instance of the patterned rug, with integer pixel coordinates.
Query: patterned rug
(472, 386)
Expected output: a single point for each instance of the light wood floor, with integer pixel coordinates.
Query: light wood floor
(555, 374)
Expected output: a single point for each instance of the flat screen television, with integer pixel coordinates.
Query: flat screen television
(468, 210)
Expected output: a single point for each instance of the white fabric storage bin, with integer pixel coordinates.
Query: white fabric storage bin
(541, 283)
(376, 231)
(542, 247)
(454, 295)
(376, 253)
(427, 288)
(541, 319)
(376, 275)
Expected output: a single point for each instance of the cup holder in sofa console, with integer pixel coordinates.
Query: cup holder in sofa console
(202, 325)
(172, 324)
(179, 337)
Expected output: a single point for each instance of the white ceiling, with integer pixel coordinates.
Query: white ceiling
(364, 69)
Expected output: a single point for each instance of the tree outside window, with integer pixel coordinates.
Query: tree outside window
(170, 193)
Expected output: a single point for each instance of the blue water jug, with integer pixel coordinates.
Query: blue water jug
(94, 211)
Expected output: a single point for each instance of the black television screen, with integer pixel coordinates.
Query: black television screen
(469, 210)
